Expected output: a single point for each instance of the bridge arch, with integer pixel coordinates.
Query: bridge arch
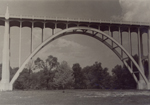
(95, 33)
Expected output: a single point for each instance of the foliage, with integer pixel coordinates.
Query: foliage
(41, 78)
(63, 76)
(13, 71)
(23, 80)
(122, 78)
(146, 68)
(78, 76)
(50, 74)
(96, 77)
(47, 68)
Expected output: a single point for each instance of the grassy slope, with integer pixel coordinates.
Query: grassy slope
(76, 97)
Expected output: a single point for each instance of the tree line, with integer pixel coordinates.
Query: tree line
(50, 74)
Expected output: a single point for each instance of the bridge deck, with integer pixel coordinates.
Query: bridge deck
(64, 19)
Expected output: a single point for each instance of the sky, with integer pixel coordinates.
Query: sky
(74, 48)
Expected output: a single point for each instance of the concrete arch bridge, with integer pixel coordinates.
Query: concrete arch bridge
(93, 28)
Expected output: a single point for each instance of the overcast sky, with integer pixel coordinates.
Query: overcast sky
(74, 48)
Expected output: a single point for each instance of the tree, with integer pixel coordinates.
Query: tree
(30, 66)
(23, 80)
(41, 78)
(39, 64)
(51, 62)
(47, 70)
(146, 71)
(96, 77)
(136, 58)
(63, 76)
(122, 78)
(13, 71)
(78, 76)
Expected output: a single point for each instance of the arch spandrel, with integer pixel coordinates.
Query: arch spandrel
(85, 31)
(14, 23)
(72, 25)
(83, 25)
(133, 29)
(144, 30)
(50, 25)
(104, 27)
(27, 24)
(2, 22)
(61, 25)
(114, 28)
(39, 24)
(94, 26)
(125, 29)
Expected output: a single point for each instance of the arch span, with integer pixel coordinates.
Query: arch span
(95, 33)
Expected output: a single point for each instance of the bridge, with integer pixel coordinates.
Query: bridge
(93, 28)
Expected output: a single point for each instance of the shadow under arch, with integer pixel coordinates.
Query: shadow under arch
(95, 33)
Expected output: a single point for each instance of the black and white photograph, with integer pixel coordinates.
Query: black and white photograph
(74, 52)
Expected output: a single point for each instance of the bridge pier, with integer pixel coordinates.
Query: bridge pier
(4, 84)
(148, 54)
(141, 85)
